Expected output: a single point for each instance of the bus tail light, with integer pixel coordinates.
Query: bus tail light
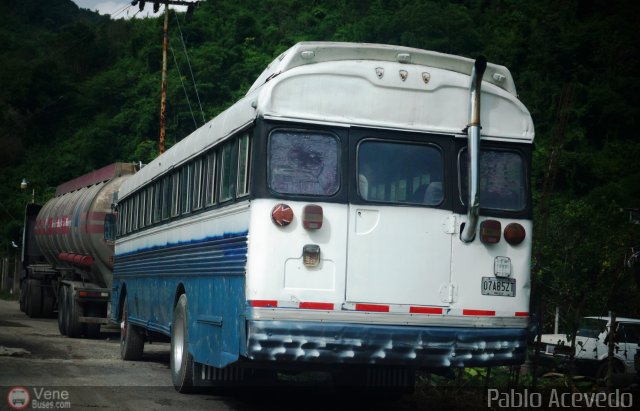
(282, 215)
(490, 231)
(514, 233)
(312, 217)
(311, 255)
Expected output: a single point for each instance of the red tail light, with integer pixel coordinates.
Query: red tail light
(282, 215)
(312, 217)
(490, 231)
(514, 233)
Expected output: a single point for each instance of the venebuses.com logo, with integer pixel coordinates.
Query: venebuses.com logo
(20, 398)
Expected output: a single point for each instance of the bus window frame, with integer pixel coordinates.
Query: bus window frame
(525, 151)
(243, 188)
(342, 155)
(229, 189)
(444, 143)
(433, 145)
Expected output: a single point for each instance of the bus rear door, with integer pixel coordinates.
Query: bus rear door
(399, 242)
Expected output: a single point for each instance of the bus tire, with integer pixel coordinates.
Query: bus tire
(72, 318)
(131, 339)
(62, 310)
(181, 359)
(34, 294)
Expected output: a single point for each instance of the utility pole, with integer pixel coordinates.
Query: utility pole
(165, 28)
(163, 96)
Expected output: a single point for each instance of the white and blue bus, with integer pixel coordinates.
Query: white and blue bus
(356, 212)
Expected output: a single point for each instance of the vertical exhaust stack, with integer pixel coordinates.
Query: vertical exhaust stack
(473, 151)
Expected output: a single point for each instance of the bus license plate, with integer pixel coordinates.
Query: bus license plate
(505, 287)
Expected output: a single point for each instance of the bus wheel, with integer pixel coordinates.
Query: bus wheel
(131, 339)
(72, 315)
(62, 310)
(181, 359)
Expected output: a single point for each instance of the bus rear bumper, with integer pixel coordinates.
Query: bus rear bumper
(416, 346)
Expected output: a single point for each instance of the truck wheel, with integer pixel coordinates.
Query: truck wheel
(131, 340)
(62, 310)
(48, 302)
(181, 360)
(72, 318)
(92, 330)
(23, 296)
(34, 294)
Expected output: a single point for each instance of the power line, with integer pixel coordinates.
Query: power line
(183, 86)
(193, 79)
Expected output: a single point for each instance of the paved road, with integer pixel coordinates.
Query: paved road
(89, 374)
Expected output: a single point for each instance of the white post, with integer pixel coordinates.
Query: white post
(5, 273)
(555, 323)
(16, 276)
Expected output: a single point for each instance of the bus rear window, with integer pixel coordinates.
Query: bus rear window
(400, 173)
(502, 180)
(304, 163)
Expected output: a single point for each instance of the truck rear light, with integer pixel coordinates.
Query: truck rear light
(98, 294)
(312, 217)
(311, 255)
(514, 233)
(282, 215)
(490, 231)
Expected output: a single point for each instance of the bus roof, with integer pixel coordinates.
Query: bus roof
(389, 87)
(318, 52)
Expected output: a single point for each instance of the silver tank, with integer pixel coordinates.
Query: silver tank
(70, 227)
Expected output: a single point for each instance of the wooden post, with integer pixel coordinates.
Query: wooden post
(163, 96)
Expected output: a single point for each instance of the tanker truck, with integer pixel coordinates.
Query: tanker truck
(67, 256)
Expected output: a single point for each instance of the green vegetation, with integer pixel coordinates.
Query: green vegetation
(80, 91)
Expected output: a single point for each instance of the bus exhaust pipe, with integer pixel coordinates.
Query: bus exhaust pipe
(473, 151)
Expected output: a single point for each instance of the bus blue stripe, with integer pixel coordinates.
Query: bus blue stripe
(221, 255)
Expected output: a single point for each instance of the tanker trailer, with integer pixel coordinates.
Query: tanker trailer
(72, 266)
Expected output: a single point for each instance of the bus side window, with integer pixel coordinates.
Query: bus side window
(243, 165)
(209, 178)
(197, 184)
(227, 175)
(175, 194)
